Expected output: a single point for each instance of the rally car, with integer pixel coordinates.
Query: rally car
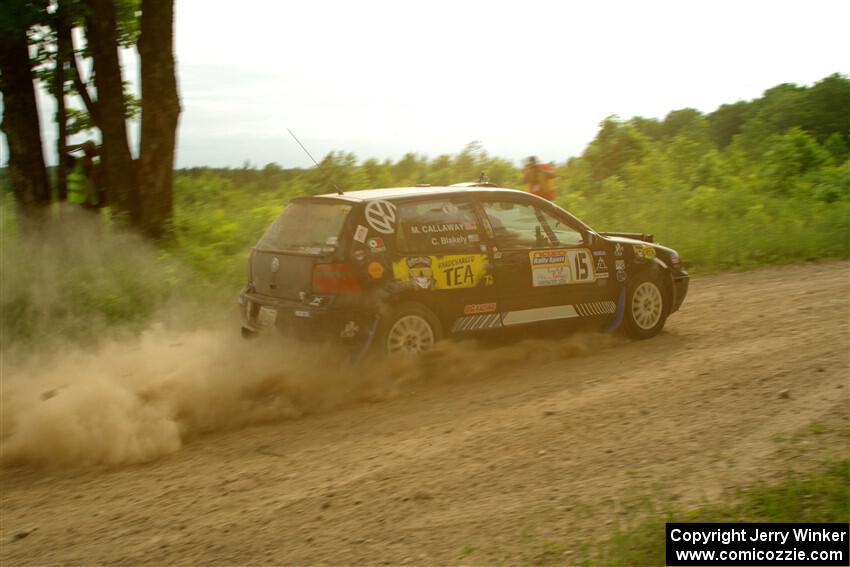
(399, 269)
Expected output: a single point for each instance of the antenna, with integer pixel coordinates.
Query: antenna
(319, 167)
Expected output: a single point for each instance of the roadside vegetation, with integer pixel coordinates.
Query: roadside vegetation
(818, 497)
(752, 183)
(755, 182)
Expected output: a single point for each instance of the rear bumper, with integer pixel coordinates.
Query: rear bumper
(680, 290)
(300, 319)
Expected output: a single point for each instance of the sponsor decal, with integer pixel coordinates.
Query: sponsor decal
(303, 313)
(332, 240)
(600, 253)
(376, 270)
(601, 268)
(561, 267)
(620, 265)
(549, 267)
(359, 255)
(447, 240)
(643, 251)
(275, 266)
(618, 250)
(349, 330)
(381, 216)
(377, 245)
(456, 271)
(472, 237)
(479, 308)
(360, 233)
(442, 227)
(621, 276)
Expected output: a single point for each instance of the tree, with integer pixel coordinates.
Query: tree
(20, 114)
(616, 145)
(119, 170)
(727, 121)
(62, 30)
(160, 113)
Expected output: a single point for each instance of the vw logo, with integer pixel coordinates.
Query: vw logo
(275, 265)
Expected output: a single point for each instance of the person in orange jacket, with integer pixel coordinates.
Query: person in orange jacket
(540, 178)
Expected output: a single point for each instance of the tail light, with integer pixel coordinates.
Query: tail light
(334, 278)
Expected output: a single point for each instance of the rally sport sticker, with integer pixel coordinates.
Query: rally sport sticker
(561, 267)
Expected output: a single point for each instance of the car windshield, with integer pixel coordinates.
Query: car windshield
(306, 226)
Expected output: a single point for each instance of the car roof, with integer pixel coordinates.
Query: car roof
(395, 192)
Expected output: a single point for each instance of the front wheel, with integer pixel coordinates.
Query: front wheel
(647, 306)
(410, 328)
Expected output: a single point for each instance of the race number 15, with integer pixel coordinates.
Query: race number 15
(581, 266)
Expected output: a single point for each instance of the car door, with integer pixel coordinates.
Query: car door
(442, 259)
(545, 267)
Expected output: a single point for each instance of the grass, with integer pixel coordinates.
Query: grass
(820, 497)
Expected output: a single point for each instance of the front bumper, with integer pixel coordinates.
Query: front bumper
(680, 289)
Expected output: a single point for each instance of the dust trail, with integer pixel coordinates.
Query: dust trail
(136, 400)
(112, 353)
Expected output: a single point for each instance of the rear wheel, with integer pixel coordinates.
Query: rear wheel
(410, 328)
(647, 306)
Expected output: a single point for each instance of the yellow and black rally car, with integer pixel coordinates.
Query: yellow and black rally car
(398, 269)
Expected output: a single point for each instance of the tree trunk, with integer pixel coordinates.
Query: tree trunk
(117, 166)
(79, 85)
(20, 124)
(160, 113)
(63, 44)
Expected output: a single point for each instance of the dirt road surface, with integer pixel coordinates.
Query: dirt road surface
(748, 382)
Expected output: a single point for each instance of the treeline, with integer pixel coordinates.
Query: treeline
(753, 182)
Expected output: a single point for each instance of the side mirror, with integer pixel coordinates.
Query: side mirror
(588, 238)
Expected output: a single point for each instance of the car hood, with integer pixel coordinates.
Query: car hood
(635, 238)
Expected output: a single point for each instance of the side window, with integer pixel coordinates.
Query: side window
(436, 226)
(522, 225)
(565, 234)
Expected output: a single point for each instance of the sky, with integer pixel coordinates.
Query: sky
(381, 79)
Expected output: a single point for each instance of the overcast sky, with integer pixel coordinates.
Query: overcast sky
(383, 78)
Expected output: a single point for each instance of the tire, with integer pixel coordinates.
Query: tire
(647, 305)
(409, 328)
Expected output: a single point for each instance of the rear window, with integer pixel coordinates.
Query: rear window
(306, 226)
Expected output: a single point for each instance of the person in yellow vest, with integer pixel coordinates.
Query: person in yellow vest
(540, 178)
(83, 186)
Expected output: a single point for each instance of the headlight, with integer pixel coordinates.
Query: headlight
(674, 259)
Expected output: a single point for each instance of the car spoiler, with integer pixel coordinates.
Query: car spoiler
(634, 235)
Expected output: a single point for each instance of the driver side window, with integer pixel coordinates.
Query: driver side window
(522, 225)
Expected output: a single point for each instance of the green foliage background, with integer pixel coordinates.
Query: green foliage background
(752, 183)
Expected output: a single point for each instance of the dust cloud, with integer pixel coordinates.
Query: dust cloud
(135, 401)
(110, 354)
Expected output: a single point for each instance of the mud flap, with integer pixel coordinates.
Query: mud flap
(357, 357)
(621, 308)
